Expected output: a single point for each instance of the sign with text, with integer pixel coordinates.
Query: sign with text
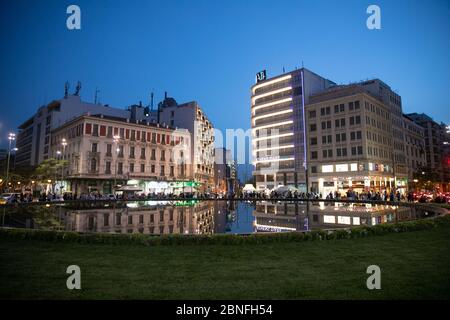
(261, 76)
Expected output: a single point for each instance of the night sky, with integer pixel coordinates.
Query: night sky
(209, 51)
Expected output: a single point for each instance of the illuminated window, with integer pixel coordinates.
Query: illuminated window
(327, 168)
(341, 167)
(353, 167)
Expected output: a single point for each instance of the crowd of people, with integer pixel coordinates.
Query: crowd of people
(349, 195)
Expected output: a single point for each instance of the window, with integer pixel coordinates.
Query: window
(313, 141)
(324, 125)
(328, 110)
(360, 150)
(336, 109)
(142, 168)
(358, 119)
(152, 168)
(130, 219)
(94, 147)
(343, 122)
(108, 150)
(313, 127)
(172, 171)
(341, 167)
(329, 124)
(131, 167)
(93, 165)
(120, 151)
(109, 134)
(107, 167)
(313, 169)
(153, 157)
(142, 153)
(322, 111)
(163, 155)
(342, 107)
(312, 114)
(122, 133)
(313, 154)
(350, 106)
(327, 168)
(133, 135)
(356, 105)
(120, 168)
(162, 171)
(106, 219)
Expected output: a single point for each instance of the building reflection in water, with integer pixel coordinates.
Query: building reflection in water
(301, 216)
(205, 217)
(153, 217)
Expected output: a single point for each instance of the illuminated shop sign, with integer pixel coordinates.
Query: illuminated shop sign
(261, 76)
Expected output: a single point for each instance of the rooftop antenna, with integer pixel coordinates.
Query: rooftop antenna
(78, 88)
(302, 63)
(151, 101)
(96, 95)
(283, 70)
(66, 89)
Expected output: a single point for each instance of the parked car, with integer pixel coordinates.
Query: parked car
(7, 198)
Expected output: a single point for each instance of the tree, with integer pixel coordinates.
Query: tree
(426, 178)
(50, 169)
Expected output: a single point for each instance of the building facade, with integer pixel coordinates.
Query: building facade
(190, 116)
(104, 153)
(414, 148)
(394, 101)
(349, 142)
(437, 152)
(224, 171)
(277, 122)
(33, 139)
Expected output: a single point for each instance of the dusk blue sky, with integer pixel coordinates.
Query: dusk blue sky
(209, 51)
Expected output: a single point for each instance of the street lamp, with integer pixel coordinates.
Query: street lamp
(11, 138)
(64, 144)
(116, 142)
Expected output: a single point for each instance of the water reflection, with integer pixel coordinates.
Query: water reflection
(204, 217)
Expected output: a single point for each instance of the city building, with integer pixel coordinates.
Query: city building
(277, 122)
(190, 116)
(224, 171)
(394, 101)
(349, 141)
(33, 139)
(415, 148)
(437, 152)
(106, 154)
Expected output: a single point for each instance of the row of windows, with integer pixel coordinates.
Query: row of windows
(338, 108)
(130, 134)
(338, 123)
(132, 169)
(340, 137)
(340, 152)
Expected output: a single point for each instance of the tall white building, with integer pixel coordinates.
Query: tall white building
(278, 126)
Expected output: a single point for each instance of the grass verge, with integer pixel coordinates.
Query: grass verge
(414, 265)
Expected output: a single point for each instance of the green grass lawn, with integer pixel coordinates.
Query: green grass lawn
(413, 265)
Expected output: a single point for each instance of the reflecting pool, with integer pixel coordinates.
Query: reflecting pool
(204, 217)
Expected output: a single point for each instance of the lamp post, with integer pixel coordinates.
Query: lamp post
(116, 142)
(11, 137)
(64, 144)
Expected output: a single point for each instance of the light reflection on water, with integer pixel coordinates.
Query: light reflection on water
(204, 217)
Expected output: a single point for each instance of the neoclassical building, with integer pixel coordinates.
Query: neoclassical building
(106, 153)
